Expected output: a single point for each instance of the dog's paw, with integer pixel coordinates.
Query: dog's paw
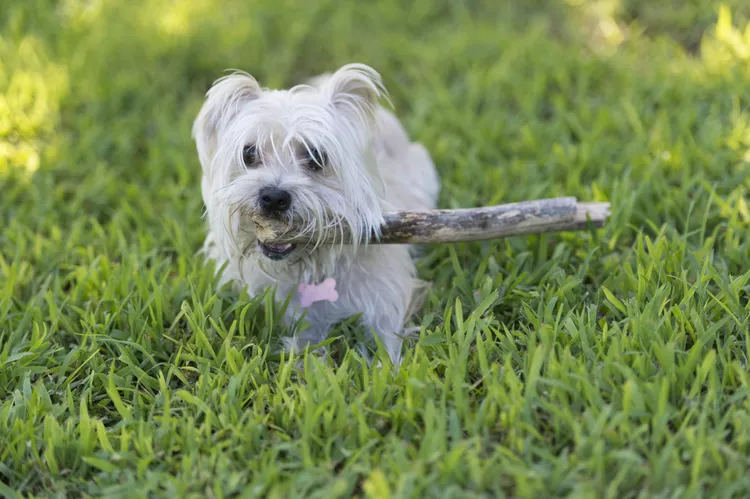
(291, 345)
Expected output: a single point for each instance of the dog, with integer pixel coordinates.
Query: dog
(327, 154)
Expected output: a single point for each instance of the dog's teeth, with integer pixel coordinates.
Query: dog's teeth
(280, 246)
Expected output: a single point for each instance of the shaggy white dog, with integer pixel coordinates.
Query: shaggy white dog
(325, 155)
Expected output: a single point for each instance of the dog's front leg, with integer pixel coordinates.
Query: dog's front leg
(314, 334)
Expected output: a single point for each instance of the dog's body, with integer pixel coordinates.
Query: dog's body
(328, 154)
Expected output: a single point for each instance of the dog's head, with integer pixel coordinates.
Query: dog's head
(297, 155)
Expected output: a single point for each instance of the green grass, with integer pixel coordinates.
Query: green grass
(604, 364)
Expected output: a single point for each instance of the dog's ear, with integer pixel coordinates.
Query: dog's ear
(356, 88)
(222, 102)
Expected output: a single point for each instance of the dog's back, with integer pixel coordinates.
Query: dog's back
(410, 178)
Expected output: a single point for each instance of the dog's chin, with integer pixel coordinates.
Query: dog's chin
(276, 251)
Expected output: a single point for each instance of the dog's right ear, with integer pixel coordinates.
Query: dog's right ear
(222, 103)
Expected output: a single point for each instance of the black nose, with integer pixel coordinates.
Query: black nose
(275, 200)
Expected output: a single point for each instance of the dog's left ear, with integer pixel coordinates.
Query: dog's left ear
(222, 103)
(356, 88)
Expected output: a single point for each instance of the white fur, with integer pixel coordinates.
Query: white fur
(373, 167)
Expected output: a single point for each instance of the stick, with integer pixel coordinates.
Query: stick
(468, 224)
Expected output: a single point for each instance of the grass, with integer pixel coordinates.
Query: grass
(606, 364)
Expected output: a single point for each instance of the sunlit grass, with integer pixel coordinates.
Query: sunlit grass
(606, 364)
(31, 88)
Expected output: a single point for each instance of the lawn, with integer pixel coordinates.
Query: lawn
(608, 363)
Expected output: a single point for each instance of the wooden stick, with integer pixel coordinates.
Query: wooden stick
(468, 224)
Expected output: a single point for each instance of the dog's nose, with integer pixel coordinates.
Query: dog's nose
(275, 200)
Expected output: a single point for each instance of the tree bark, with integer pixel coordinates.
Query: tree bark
(468, 224)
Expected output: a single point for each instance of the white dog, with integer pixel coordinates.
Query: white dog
(327, 155)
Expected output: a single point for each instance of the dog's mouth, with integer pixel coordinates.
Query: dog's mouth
(276, 251)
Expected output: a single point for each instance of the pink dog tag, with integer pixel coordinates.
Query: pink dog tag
(311, 293)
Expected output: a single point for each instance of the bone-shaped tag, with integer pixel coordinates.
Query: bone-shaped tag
(312, 293)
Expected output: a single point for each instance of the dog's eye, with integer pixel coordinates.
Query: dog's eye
(316, 159)
(249, 156)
